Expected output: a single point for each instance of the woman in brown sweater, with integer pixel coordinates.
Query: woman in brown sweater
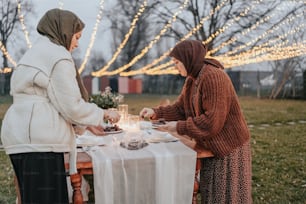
(208, 111)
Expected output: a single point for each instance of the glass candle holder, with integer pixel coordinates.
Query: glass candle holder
(124, 111)
(133, 122)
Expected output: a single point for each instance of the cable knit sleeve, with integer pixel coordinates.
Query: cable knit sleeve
(213, 106)
(171, 112)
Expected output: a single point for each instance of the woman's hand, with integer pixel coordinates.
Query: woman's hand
(112, 116)
(79, 130)
(147, 113)
(96, 130)
(168, 127)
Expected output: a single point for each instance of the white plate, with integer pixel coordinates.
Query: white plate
(113, 132)
(89, 145)
(158, 140)
(157, 125)
(162, 137)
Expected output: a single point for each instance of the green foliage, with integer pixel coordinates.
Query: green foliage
(7, 190)
(265, 111)
(278, 160)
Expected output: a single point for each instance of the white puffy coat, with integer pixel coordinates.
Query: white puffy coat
(46, 102)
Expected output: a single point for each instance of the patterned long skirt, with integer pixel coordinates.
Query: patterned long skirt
(228, 179)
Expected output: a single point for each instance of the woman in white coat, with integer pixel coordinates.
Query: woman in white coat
(47, 102)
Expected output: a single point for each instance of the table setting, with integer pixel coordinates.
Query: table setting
(123, 138)
(139, 164)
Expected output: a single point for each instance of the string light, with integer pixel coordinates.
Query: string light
(24, 28)
(271, 50)
(126, 38)
(6, 70)
(245, 32)
(147, 48)
(269, 54)
(93, 37)
(60, 4)
(141, 71)
(230, 23)
(170, 70)
(260, 54)
(255, 55)
(261, 48)
(6, 54)
(262, 36)
(189, 34)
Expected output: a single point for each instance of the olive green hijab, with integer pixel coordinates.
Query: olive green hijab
(60, 26)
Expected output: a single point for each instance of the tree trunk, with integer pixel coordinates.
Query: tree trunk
(304, 84)
(258, 84)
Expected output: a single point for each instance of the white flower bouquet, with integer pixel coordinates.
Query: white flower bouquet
(107, 99)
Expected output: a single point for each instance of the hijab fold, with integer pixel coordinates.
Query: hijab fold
(60, 26)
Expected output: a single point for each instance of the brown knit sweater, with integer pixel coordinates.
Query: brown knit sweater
(208, 110)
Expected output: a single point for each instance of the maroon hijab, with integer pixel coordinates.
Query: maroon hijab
(192, 54)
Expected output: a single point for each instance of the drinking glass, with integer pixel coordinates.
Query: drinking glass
(124, 111)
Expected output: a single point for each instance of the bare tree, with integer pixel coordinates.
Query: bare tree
(285, 70)
(9, 19)
(95, 61)
(285, 73)
(230, 21)
(8, 22)
(121, 17)
(226, 21)
(235, 19)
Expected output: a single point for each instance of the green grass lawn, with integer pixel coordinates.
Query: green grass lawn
(278, 148)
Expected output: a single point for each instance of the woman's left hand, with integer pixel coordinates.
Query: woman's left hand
(112, 116)
(79, 130)
(168, 127)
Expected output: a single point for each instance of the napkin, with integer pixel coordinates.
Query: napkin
(159, 136)
(89, 140)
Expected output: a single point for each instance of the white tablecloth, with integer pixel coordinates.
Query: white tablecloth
(160, 173)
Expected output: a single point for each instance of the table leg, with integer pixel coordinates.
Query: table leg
(196, 182)
(76, 182)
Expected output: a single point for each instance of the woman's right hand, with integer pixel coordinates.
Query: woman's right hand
(112, 116)
(96, 130)
(147, 113)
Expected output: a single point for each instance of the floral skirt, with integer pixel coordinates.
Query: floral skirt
(228, 179)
